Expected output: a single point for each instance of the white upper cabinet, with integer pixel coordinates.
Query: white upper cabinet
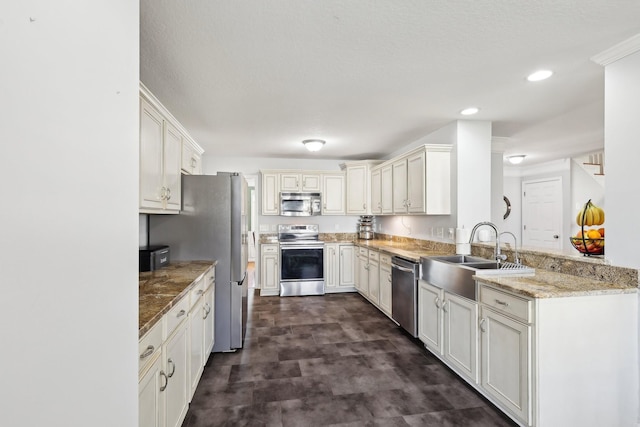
(191, 157)
(422, 181)
(333, 194)
(359, 187)
(376, 191)
(164, 146)
(300, 182)
(270, 193)
(386, 189)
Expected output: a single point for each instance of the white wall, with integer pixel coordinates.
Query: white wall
(622, 151)
(583, 188)
(69, 220)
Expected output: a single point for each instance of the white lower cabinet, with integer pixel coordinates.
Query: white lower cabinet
(373, 269)
(362, 272)
(385, 284)
(506, 361)
(172, 355)
(176, 358)
(150, 386)
(269, 272)
(339, 264)
(460, 339)
(447, 325)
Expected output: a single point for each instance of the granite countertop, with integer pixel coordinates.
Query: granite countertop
(548, 284)
(160, 290)
(544, 284)
(405, 250)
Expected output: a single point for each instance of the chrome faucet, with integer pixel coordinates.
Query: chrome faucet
(515, 246)
(499, 257)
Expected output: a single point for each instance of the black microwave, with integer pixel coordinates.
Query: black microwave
(153, 257)
(300, 204)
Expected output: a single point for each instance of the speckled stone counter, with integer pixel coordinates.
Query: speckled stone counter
(547, 284)
(406, 250)
(160, 290)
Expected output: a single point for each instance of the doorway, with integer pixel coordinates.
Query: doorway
(542, 213)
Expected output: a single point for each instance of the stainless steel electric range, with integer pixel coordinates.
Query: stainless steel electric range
(301, 260)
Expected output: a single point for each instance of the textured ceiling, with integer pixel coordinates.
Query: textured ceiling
(256, 77)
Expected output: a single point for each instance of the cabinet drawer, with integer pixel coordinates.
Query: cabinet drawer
(506, 303)
(196, 291)
(374, 255)
(176, 315)
(209, 278)
(149, 344)
(269, 249)
(385, 259)
(363, 251)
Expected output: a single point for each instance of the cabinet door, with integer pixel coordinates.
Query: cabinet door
(385, 288)
(416, 183)
(400, 187)
(196, 344)
(269, 267)
(176, 357)
(150, 411)
(374, 281)
(311, 183)
(362, 279)
(386, 189)
(270, 194)
(461, 334)
(506, 361)
(290, 182)
(209, 322)
(357, 190)
(430, 301)
(376, 192)
(172, 161)
(151, 163)
(333, 194)
(330, 266)
(438, 182)
(347, 266)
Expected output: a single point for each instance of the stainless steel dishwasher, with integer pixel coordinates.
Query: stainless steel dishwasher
(404, 293)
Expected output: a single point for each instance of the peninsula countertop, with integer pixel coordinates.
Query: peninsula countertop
(543, 284)
(161, 289)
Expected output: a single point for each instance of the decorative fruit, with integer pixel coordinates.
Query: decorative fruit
(593, 234)
(590, 215)
(601, 231)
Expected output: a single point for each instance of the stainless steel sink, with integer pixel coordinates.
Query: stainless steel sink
(455, 273)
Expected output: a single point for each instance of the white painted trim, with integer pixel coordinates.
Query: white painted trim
(619, 51)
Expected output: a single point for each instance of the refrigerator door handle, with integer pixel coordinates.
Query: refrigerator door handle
(239, 283)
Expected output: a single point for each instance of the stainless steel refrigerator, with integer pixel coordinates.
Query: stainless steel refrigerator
(212, 225)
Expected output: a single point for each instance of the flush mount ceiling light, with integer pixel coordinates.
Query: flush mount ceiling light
(539, 75)
(469, 111)
(516, 159)
(313, 144)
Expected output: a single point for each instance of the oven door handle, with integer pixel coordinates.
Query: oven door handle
(285, 248)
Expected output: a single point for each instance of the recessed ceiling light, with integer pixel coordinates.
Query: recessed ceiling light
(539, 75)
(469, 111)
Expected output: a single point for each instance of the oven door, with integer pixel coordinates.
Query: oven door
(301, 270)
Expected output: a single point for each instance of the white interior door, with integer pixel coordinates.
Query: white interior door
(542, 213)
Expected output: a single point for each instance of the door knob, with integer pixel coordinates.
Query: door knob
(555, 236)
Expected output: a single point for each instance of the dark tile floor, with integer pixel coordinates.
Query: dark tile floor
(331, 360)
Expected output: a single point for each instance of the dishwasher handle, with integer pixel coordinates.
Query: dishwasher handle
(397, 267)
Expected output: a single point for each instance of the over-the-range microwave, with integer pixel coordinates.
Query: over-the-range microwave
(300, 204)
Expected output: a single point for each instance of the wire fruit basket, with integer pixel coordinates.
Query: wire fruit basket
(589, 242)
(588, 246)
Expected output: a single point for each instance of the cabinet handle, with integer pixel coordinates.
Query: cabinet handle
(166, 381)
(408, 203)
(364, 206)
(205, 312)
(193, 162)
(200, 291)
(181, 313)
(503, 303)
(437, 302)
(148, 352)
(173, 368)
(163, 193)
(482, 328)
(168, 193)
(444, 307)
